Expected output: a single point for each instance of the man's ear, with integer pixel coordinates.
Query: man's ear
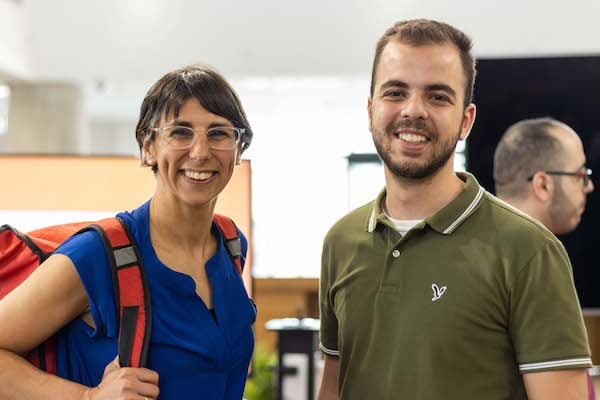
(542, 186)
(369, 108)
(468, 121)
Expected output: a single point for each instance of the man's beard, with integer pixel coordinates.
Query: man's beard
(418, 169)
(562, 211)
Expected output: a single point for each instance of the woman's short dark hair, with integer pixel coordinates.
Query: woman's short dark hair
(207, 86)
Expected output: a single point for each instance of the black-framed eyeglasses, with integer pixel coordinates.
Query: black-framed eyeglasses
(183, 137)
(584, 173)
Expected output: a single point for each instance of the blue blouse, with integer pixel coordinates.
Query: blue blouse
(195, 355)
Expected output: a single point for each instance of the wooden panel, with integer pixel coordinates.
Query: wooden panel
(283, 298)
(73, 183)
(591, 318)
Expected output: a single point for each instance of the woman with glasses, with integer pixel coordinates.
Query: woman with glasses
(191, 132)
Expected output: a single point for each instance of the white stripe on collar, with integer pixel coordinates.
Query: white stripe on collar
(461, 218)
(372, 219)
(465, 213)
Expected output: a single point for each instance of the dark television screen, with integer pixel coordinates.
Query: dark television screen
(565, 88)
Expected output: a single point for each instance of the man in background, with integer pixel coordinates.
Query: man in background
(436, 289)
(539, 168)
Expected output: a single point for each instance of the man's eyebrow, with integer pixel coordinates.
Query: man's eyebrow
(441, 87)
(433, 87)
(394, 83)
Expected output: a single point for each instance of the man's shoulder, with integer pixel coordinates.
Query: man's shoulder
(509, 220)
(353, 222)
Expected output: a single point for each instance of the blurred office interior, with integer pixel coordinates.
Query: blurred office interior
(73, 74)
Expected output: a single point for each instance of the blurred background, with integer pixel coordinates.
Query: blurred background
(73, 74)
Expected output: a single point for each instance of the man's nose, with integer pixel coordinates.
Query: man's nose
(414, 107)
(589, 188)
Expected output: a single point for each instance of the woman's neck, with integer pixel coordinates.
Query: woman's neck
(180, 225)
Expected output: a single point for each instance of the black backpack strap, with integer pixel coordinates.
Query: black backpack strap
(27, 241)
(132, 292)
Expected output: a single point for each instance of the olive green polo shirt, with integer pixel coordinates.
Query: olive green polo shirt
(462, 305)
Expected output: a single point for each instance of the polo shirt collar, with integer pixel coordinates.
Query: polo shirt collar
(448, 218)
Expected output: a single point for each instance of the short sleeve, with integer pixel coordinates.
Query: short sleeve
(87, 253)
(329, 323)
(546, 324)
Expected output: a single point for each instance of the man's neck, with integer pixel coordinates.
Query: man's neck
(412, 199)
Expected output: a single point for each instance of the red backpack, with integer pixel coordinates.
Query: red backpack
(21, 253)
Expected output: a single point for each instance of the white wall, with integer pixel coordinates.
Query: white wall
(304, 129)
(15, 47)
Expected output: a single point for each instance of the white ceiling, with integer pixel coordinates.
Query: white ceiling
(117, 48)
(125, 40)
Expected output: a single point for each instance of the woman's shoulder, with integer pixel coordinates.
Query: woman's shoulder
(137, 217)
(81, 245)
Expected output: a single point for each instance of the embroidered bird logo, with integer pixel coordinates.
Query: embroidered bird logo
(437, 291)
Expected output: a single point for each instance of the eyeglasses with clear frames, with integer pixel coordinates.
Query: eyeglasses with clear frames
(183, 137)
(584, 173)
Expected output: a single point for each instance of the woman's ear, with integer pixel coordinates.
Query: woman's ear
(238, 155)
(148, 157)
(150, 160)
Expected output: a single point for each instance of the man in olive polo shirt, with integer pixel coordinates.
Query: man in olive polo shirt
(436, 289)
